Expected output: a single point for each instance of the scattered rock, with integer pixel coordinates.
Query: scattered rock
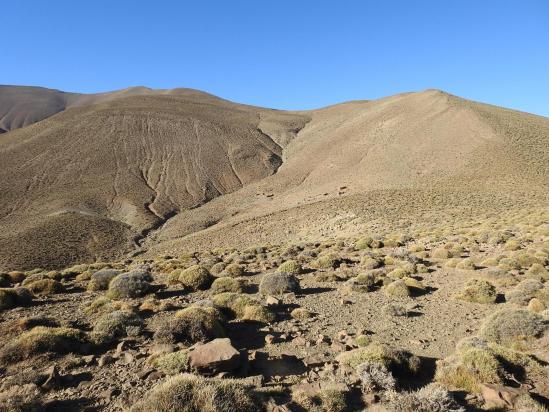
(216, 356)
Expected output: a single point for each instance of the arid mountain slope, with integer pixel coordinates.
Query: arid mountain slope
(91, 181)
(398, 158)
(167, 170)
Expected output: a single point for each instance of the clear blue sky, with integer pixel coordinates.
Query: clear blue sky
(284, 54)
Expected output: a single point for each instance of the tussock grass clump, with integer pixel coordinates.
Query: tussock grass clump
(500, 277)
(191, 325)
(133, 284)
(218, 268)
(172, 363)
(508, 264)
(441, 253)
(468, 368)
(477, 361)
(375, 376)
(5, 280)
(290, 266)
(416, 286)
(369, 262)
(40, 340)
(45, 287)
(325, 400)
(396, 309)
(155, 305)
(103, 304)
(525, 291)
(8, 299)
(368, 243)
(430, 398)
(21, 398)
(278, 283)
(478, 291)
(301, 313)
(512, 245)
(16, 276)
(398, 289)
(113, 326)
(190, 393)
(244, 307)
(395, 360)
(227, 284)
(326, 261)
(100, 280)
(516, 328)
(12, 297)
(536, 305)
(234, 270)
(466, 264)
(537, 271)
(196, 278)
(364, 282)
(258, 313)
(362, 340)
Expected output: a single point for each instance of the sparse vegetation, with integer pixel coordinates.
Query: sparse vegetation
(196, 278)
(189, 393)
(116, 325)
(132, 284)
(40, 340)
(278, 283)
(478, 291)
(191, 325)
(290, 266)
(513, 327)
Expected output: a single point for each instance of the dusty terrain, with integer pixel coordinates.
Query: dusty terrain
(373, 255)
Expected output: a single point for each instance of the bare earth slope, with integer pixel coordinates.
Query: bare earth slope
(174, 170)
(398, 159)
(90, 181)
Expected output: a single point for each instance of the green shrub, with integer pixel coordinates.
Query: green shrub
(218, 268)
(368, 262)
(441, 253)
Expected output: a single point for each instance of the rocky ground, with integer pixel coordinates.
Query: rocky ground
(434, 318)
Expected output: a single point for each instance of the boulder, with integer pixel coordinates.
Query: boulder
(214, 357)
